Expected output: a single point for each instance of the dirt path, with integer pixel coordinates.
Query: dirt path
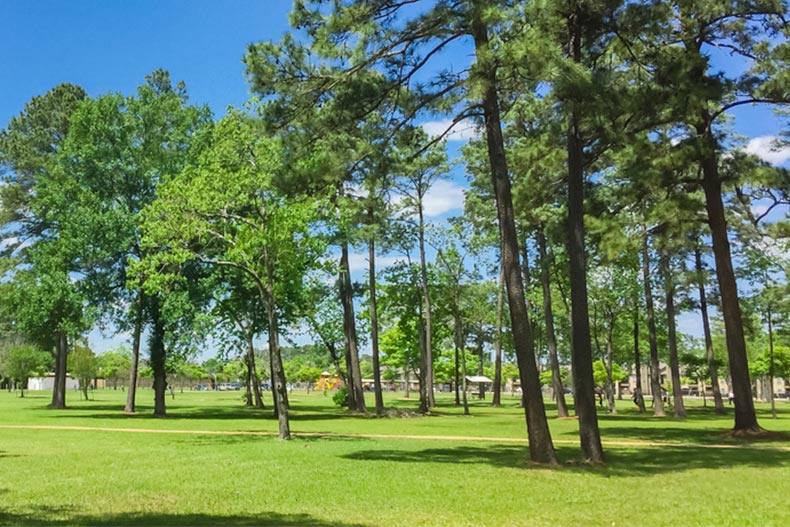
(519, 440)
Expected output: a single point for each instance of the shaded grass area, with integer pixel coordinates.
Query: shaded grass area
(57, 477)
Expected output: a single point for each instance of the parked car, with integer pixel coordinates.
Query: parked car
(201, 387)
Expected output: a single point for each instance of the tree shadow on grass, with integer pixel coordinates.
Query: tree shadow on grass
(219, 413)
(63, 516)
(702, 436)
(621, 462)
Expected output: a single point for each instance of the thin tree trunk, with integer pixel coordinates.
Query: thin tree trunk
(655, 373)
(356, 392)
(457, 377)
(581, 355)
(279, 383)
(771, 363)
(156, 345)
(133, 371)
(61, 354)
(608, 365)
(426, 297)
(424, 405)
(548, 313)
(497, 396)
(718, 402)
(639, 399)
(674, 366)
(374, 326)
(252, 374)
(481, 387)
(745, 416)
(541, 446)
(459, 350)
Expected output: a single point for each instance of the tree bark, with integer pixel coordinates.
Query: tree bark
(655, 372)
(279, 385)
(674, 366)
(581, 355)
(61, 359)
(551, 340)
(459, 350)
(457, 374)
(481, 387)
(350, 333)
(426, 298)
(497, 395)
(374, 326)
(639, 399)
(771, 362)
(718, 402)
(252, 375)
(540, 444)
(745, 416)
(156, 345)
(609, 388)
(131, 395)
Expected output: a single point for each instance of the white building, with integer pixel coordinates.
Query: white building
(48, 383)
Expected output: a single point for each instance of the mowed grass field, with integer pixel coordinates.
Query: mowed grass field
(456, 471)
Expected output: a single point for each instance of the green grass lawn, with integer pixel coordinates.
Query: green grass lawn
(109, 478)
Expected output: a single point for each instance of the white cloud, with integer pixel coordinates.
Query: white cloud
(463, 130)
(359, 261)
(766, 148)
(443, 197)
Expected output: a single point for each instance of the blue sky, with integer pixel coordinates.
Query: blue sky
(107, 46)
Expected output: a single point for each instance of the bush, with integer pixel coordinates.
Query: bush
(341, 396)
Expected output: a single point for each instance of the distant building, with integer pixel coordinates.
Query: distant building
(48, 383)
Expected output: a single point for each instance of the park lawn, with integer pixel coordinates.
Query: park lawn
(109, 478)
(316, 413)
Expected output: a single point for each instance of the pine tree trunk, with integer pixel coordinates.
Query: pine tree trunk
(497, 396)
(674, 366)
(745, 416)
(551, 341)
(540, 444)
(374, 326)
(423, 378)
(481, 387)
(608, 365)
(655, 372)
(457, 375)
(718, 402)
(350, 333)
(459, 350)
(61, 357)
(638, 397)
(131, 395)
(771, 363)
(426, 298)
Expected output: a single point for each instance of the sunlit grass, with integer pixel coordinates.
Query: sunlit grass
(108, 478)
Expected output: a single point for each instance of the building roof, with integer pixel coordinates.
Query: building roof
(478, 378)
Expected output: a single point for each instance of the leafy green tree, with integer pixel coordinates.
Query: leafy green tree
(21, 362)
(114, 364)
(83, 366)
(117, 152)
(225, 211)
(28, 147)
